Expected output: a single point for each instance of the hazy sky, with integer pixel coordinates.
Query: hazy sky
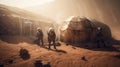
(24, 3)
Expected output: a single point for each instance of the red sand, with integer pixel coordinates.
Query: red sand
(67, 56)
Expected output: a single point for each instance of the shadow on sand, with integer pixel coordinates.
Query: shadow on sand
(115, 46)
(56, 50)
(109, 49)
(117, 56)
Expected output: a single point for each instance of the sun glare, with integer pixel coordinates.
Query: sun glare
(24, 3)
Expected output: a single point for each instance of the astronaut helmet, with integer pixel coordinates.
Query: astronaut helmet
(99, 28)
(38, 29)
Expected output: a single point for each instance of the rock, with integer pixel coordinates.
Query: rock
(10, 61)
(83, 58)
(1, 65)
(38, 63)
(24, 54)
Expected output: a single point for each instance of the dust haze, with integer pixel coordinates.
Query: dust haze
(60, 33)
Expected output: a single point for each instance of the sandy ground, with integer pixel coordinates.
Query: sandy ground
(65, 56)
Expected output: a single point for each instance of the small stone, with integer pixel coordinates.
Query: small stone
(1, 65)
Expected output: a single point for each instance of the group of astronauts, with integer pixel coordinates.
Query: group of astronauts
(51, 37)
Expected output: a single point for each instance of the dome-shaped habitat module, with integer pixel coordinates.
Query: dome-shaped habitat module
(78, 30)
